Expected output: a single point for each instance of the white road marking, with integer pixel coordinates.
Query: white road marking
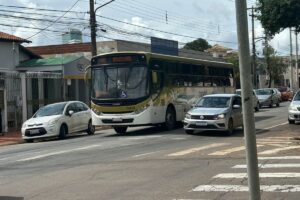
(276, 125)
(193, 150)
(57, 153)
(179, 138)
(144, 137)
(145, 154)
(280, 158)
(277, 150)
(228, 151)
(269, 142)
(261, 175)
(265, 166)
(242, 188)
(280, 137)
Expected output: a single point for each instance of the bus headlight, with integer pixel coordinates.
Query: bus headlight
(97, 112)
(188, 116)
(142, 109)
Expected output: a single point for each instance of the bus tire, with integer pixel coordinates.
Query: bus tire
(190, 132)
(170, 119)
(120, 129)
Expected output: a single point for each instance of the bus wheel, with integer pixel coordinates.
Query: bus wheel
(170, 120)
(189, 131)
(120, 129)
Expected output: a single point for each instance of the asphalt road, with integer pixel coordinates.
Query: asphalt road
(148, 163)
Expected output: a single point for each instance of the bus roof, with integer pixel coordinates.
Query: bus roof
(171, 58)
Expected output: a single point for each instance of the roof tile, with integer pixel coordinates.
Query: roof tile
(8, 37)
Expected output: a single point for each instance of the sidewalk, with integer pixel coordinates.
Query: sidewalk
(15, 137)
(10, 138)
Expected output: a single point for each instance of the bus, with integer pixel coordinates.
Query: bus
(140, 88)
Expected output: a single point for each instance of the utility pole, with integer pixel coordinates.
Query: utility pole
(253, 50)
(297, 73)
(291, 61)
(93, 24)
(93, 28)
(247, 94)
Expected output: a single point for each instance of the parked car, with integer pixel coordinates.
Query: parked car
(256, 104)
(286, 93)
(58, 120)
(294, 109)
(215, 112)
(268, 97)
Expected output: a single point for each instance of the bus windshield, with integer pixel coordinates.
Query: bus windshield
(120, 82)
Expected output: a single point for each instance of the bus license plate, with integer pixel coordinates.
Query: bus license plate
(117, 119)
(201, 123)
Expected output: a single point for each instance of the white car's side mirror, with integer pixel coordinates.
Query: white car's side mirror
(71, 112)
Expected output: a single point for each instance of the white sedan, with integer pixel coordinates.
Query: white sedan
(58, 119)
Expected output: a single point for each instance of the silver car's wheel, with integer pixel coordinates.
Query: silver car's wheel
(291, 121)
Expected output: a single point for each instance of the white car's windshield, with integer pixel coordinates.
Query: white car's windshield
(263, 92)
(297, 97)
(214, 102)
(52, 109)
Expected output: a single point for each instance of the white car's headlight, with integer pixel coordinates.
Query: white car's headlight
(188, 116)
(293, 108)
(52, 122)
(24, 125)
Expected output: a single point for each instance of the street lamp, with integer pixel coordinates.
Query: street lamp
(93, 24)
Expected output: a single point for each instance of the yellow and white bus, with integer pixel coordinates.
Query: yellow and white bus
(141, 88)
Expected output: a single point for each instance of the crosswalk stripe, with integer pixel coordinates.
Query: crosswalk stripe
(261, 175)
(269, 142)
(265, 166)
(193, 150)
(242, 188)
(273, 151)
(280, 158)
(228, 151)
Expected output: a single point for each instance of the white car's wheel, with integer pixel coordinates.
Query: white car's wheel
(91, 128)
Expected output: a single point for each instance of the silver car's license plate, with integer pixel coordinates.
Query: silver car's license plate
(201, 123)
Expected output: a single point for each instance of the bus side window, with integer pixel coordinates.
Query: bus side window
(156, 81)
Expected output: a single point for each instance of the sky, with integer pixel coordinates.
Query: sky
(44, 21)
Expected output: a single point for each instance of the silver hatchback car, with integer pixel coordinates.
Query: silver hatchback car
(215, 112)
(294, 109)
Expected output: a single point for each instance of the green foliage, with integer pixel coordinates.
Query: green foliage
(274, 65)
(234, 59)
(197, 45)
(276, 15)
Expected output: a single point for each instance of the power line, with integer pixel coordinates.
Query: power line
(54, 21)
(186, 36)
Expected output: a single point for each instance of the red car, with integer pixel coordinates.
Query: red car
(286, 93)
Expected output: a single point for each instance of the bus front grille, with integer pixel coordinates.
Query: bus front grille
(110, 121)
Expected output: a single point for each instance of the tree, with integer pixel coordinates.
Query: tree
(276, 15)
(274, 65)
(234, 59)
(197, 45)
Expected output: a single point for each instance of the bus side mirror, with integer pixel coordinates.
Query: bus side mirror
(87, 75)
(154, 77)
